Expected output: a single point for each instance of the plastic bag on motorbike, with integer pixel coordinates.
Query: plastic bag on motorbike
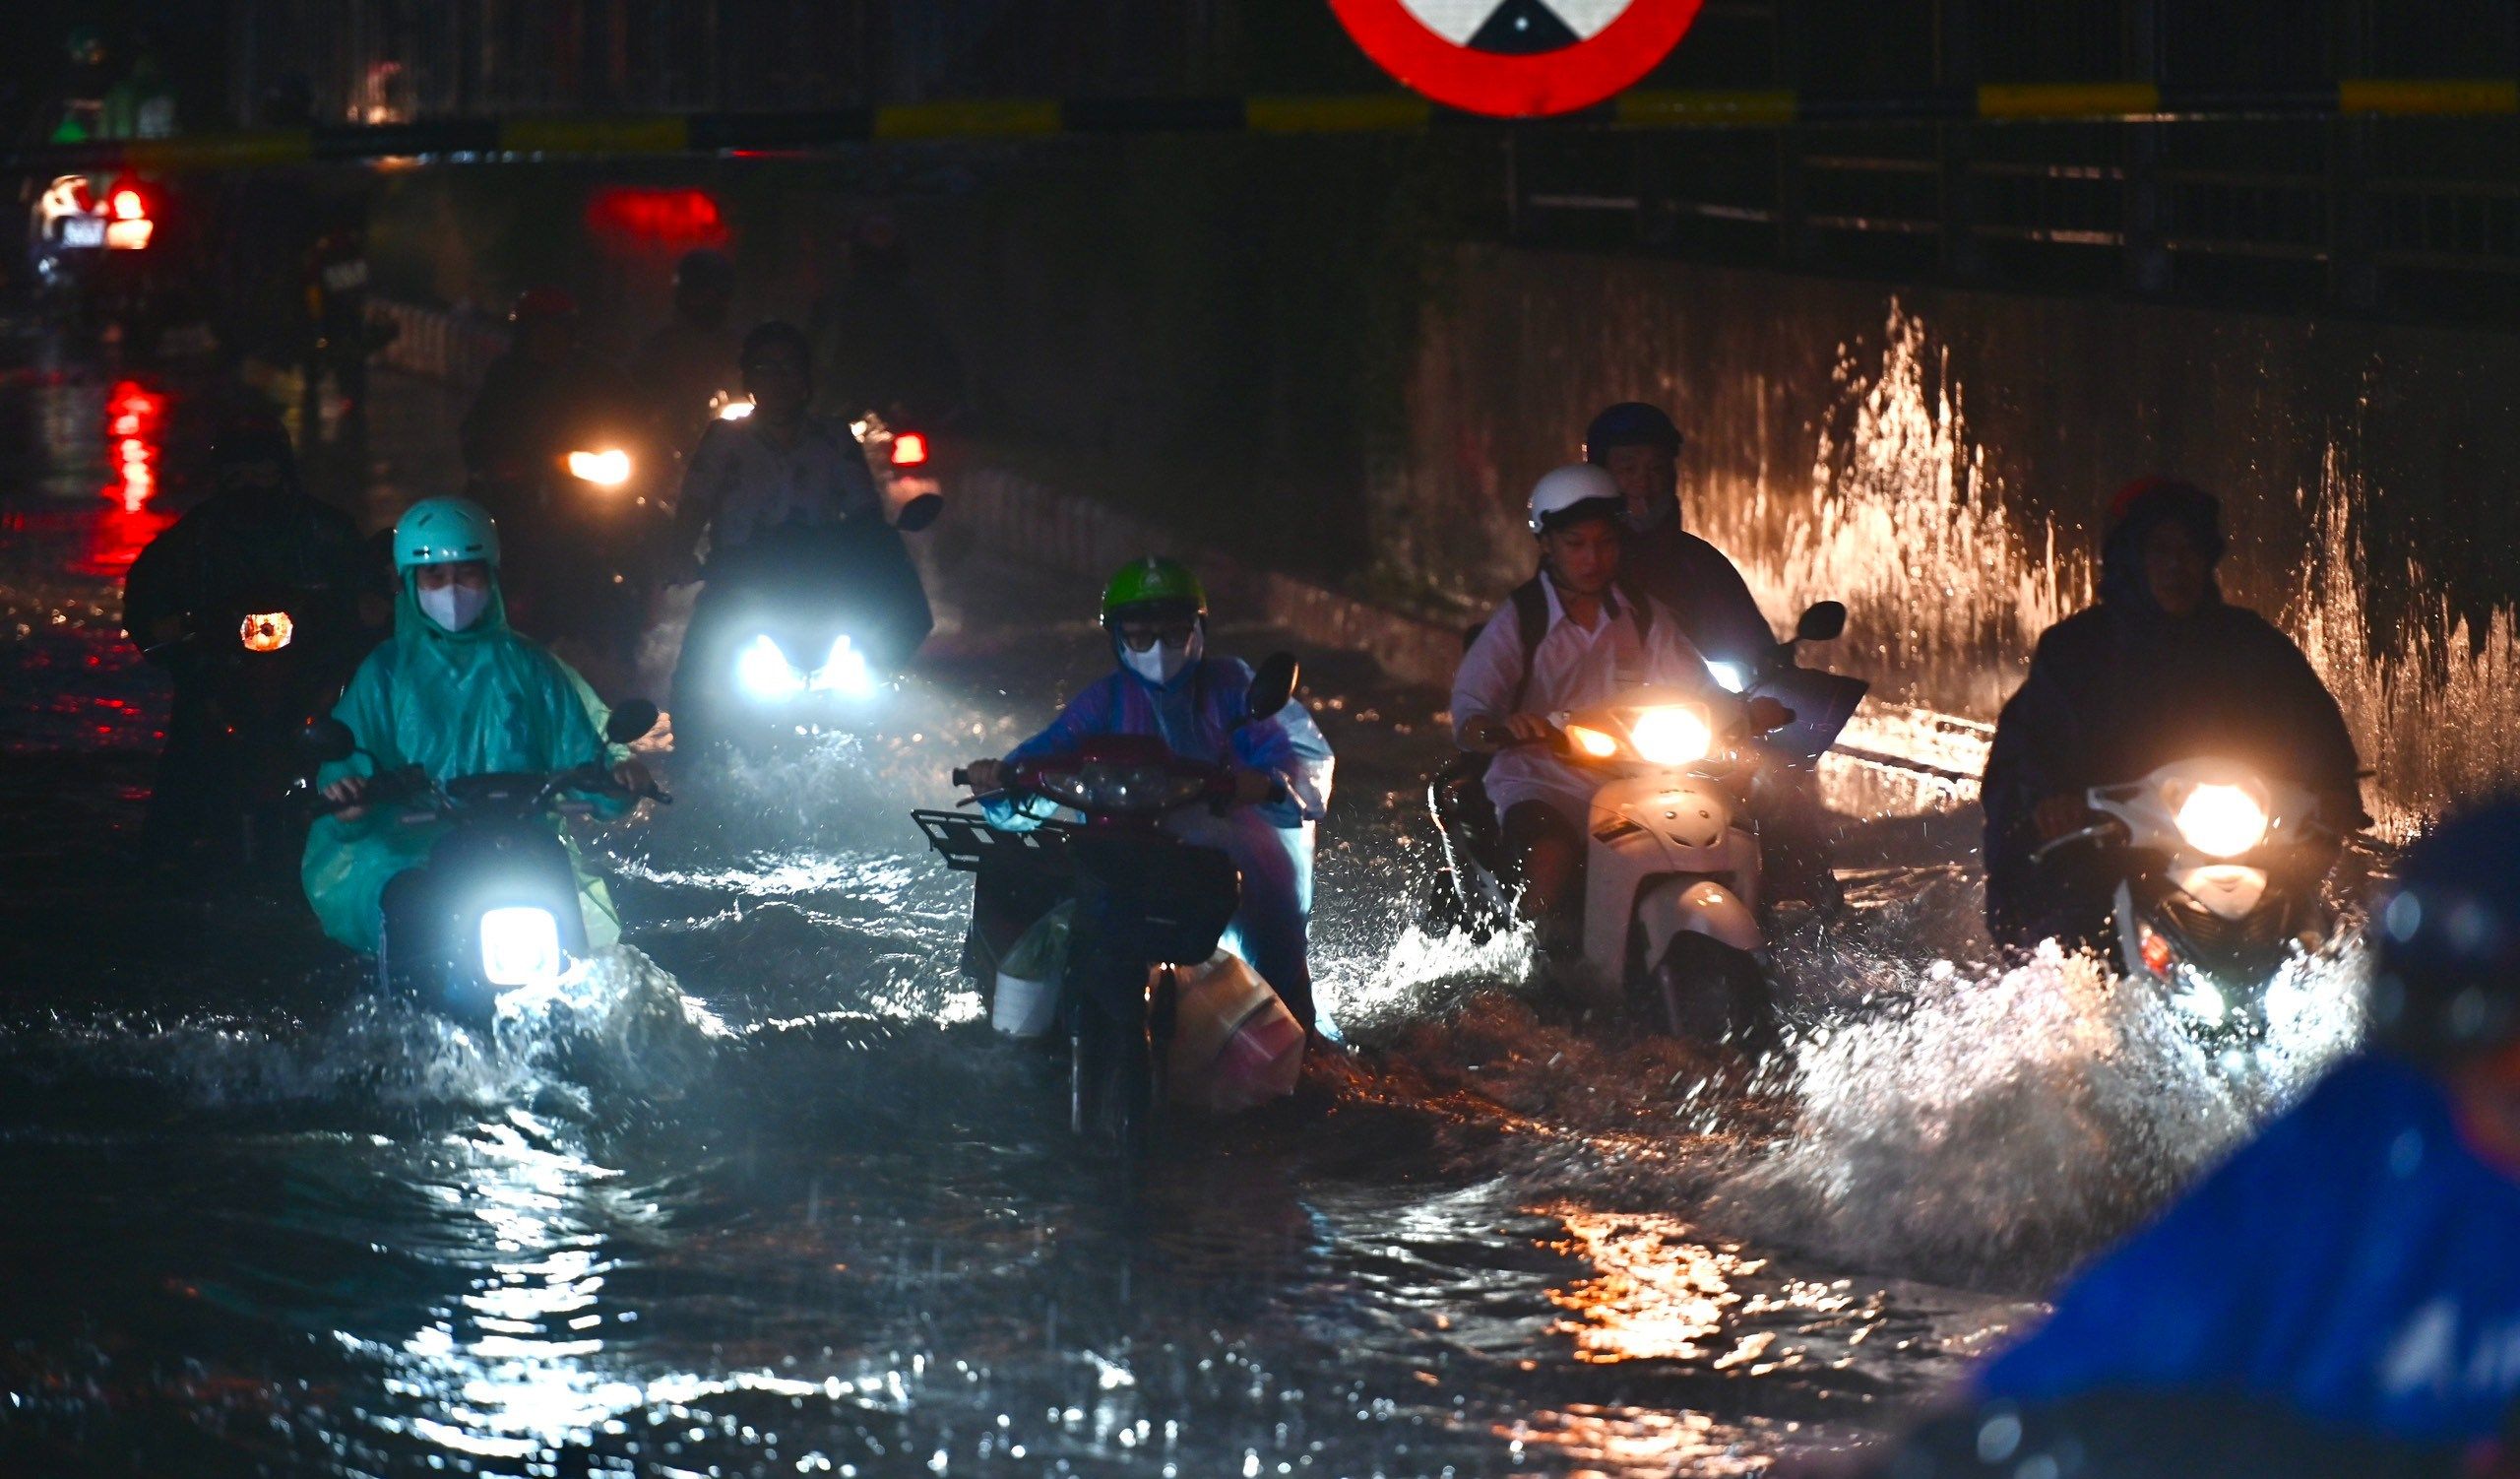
(1234, 1043)
(1027, 1002)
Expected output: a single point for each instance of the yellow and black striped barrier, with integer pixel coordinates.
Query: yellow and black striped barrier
(603, 135)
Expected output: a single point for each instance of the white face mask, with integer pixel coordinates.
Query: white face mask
(456, 607)
(1162, 663)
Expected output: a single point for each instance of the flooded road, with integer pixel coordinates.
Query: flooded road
(760, 1192)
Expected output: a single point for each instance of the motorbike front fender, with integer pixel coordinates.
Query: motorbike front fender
(1672, 906)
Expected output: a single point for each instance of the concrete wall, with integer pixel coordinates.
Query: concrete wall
(1943, 461)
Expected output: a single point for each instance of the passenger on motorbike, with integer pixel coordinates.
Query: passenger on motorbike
(1640, 448)
(785, 498)
(260, 534)
(2162, 669)
(1166, 685)
(694, 356)
(457, 693)
(2354, 1263)
(542, 398)
(1597, 636)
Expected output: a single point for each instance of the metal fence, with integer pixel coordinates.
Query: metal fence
(2410, 216)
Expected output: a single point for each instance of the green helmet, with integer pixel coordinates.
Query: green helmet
(1153, 581)
(444, 532)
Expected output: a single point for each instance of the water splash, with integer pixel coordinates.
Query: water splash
(1903, 522)
(1992, 1129)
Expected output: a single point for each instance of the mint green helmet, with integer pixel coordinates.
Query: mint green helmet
(445, 532)
(1153, 584)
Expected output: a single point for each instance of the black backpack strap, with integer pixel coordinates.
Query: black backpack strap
(1530, 622)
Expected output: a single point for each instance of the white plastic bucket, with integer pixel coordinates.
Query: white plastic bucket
(1023, 1009)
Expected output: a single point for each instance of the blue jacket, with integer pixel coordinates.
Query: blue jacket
(1194, 716)
(2357, 1262)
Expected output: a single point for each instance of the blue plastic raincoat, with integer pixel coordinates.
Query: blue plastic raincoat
(2355, 1263)
(1195, 715)
(473, 703)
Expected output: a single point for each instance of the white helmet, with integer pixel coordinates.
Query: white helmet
(1562, 489)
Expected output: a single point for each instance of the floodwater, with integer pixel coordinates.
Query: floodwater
(758, 1192)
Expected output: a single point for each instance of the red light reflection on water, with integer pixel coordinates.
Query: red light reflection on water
(133, 415)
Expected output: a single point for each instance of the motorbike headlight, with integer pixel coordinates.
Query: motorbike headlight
(735, 411)
(844, 671)
(764, 672)
(520, 946)
(1731, 678)
(1590, 742)
(267, 631)
(1671, 735)
(609, 468)
(2221, 821)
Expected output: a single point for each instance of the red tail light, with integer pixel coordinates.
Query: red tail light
(130, 204)
(910, 450)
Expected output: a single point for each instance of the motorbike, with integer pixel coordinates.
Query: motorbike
(503, 916)
(2220, 873)
(1675, 916)
(1148, 908)
(263, 667)
(802, 635)
(593, 527)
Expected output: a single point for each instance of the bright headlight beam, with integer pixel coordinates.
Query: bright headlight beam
(844, 671)
(609, 468)
(2221, 821)
(520, 946)
(1673, 735)
(764, 672)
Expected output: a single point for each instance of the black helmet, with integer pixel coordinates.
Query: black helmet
(1630, 423)
(703, 270)
(2447, 986)
(777, 334)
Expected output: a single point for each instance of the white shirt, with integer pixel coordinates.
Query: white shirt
(1574, 668)
(741, 486)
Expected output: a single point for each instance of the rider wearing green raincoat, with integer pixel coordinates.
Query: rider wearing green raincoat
(457, 693)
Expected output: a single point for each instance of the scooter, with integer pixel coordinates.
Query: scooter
(802, 635)
(503, 915)
(1148, 908)
(264, 666)
(1675, 909)
(2220, 873)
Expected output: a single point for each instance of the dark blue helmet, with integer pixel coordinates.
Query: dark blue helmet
(2447, 986)
(1630, 424)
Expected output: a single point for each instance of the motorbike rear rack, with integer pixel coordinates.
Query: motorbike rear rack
(971, 844)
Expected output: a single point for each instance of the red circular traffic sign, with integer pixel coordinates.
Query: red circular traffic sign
(1517, 82)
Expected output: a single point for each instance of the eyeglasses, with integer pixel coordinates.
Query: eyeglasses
(1141, 635)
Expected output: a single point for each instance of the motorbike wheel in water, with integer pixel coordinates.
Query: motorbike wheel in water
(1705, 990)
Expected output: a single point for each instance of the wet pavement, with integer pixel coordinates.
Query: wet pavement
(760, 1192)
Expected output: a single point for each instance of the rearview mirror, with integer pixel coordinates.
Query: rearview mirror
(631, 719)
(1767, 716)
(919, 512)
(1825, 621)
(326, 740)
(1273, 687)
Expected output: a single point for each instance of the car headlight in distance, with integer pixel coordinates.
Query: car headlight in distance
(2220, 820)
(844, 671)
(609, 468)
(520, 946)
(1731, 678)
(764, 672)
(1671, 735)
